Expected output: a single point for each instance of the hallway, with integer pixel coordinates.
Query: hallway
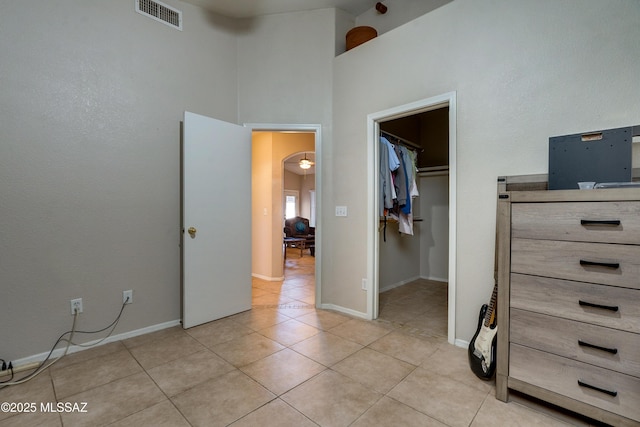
(297, 288)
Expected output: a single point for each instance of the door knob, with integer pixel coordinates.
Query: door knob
(192, 232)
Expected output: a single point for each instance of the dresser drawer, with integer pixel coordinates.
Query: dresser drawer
(604, 347)
(564, 376)
(605, 222)
(609, 306)
(610, 264)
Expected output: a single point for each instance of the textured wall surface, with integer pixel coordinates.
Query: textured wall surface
(90, 108)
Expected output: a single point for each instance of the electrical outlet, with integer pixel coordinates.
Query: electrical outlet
(76, 306)
(127, 294)
(341, 211)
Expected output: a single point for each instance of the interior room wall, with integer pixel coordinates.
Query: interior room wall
(93, 94)
(344, 22)
(404, 258)
(434, 228)
(285, 76)
(307, 184)
(291, 180)
(303, 184)
(90, 108)
(399, 256)
(261, 205)
(91, 116)
(434, 129)
(284, 68)
(522, 71)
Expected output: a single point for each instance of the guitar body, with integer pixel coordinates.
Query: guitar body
(484, 337)
(482, 348)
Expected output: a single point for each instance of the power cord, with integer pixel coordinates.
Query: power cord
(112, 326)
(7, 368)
(69, 341)
(42, 366)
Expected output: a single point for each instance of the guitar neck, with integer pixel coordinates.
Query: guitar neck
(489, 317)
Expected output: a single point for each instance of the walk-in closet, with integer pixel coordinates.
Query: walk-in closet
(414, 260)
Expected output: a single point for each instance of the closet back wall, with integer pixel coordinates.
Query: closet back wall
(424, 255)
(434, 228)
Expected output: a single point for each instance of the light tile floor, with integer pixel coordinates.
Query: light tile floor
(283, 363)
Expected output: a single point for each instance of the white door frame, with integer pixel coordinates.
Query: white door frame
(317, 130)
(373, 240)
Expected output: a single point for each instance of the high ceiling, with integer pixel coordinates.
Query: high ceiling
(250, 8)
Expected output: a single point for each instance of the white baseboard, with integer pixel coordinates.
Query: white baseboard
(435, 279)
(404, 282)
(75, 348)
(344, 310)
(267, 278)
(398, 284)
(461, 343)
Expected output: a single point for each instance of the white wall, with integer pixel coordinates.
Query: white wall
(262, 257)
(399, 256)
(90, 108)
(92, 97)
(284, 68)
(344, 22)
(285, 77)
(92, 94)
(303, 184)
(522, 70)
(291, 180)
(404, 258)
(434, 228)
(307, 184)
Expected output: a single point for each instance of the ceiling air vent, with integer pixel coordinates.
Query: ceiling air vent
(160, 12)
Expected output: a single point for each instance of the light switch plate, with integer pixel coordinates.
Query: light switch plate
(341, 211)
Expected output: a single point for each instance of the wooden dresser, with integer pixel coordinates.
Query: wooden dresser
(569, 297)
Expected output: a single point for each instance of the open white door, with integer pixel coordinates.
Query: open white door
(216, 216)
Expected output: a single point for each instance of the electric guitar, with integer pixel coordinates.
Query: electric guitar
(482, 349)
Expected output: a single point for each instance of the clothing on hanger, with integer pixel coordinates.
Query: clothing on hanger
(398, 185)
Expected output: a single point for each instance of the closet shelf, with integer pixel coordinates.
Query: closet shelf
(433, 171)
(395, 221)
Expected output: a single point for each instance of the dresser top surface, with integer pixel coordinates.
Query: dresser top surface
(604, 195)
(533, 188)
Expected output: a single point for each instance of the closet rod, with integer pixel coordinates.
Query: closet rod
(405, 141)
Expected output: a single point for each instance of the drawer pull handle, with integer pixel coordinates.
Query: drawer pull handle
(613, 265)
(614, 222)
(601, 390)
(604, 307)
(597, 347)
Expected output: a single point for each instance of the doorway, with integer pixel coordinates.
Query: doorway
(375, 122)
(268, 212)
(299, 184)
(298, 206)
